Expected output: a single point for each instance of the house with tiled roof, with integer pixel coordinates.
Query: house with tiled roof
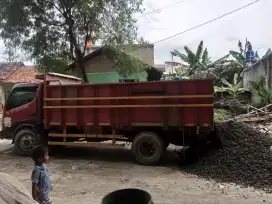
(17, 72)
(12, 73)
(24, 74)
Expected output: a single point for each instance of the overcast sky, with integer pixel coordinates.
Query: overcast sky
(219, 37)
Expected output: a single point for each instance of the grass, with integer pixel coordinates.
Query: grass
(221, 115)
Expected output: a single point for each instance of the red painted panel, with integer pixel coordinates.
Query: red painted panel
(125, 116)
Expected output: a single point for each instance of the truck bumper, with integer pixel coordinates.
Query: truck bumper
(7, 133)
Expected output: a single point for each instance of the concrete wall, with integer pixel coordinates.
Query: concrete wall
(101, 63)
(98, 64)
(261, 68)
(145, 53)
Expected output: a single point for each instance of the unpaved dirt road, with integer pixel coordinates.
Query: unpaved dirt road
(86, 175)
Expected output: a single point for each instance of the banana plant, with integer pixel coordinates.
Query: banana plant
(240, 56)
(198, 61)
(261, 91)
(234, 89)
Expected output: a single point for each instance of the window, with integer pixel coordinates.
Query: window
(21, 96)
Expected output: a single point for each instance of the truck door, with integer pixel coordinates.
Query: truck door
(21, 107)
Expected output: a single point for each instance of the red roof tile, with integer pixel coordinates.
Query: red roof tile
(25, 74)
(7, 68)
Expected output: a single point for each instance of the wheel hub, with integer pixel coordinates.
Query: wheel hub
(147, 148)
(27, 142)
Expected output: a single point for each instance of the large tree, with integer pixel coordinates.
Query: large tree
(54, 32)
(10, 52)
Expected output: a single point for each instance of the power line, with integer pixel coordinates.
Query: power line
(210, 21)
(158, 10)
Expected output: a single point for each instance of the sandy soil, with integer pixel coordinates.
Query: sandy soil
(86, 175)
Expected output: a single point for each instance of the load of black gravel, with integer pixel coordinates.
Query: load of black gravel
(245, 157)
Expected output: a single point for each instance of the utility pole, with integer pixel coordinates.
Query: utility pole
(173, 54)
(172, 63)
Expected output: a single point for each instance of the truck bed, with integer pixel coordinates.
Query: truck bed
(160, 103)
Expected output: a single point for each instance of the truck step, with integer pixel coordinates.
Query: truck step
(88, 136)
(86, 144)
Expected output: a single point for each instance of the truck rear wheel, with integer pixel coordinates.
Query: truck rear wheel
(25, 141)
(148, 148)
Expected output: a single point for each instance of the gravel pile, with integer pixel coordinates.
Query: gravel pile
(244, 159)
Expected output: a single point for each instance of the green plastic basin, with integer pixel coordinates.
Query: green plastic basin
(128, 196)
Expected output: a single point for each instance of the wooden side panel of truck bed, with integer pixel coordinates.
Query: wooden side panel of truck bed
(160, 103)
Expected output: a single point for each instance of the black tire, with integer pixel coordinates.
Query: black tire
(149, 139)
(25, 141)
(166, 144)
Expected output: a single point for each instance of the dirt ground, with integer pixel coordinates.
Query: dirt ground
(86, 175)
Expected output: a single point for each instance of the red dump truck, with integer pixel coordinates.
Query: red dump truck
(151, 115)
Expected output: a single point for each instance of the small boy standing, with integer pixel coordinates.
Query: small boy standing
(41, 184)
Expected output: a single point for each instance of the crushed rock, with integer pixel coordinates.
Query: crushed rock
(245, 157)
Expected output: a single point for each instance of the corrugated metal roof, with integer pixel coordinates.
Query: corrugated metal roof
(64, 76)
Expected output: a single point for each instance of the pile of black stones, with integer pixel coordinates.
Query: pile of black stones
(244, 158)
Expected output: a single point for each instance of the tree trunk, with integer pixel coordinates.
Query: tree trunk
(79, 58)
(78, 53)
(80, 63)
(81, 67)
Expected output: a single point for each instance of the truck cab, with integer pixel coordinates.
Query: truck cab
(22, 116)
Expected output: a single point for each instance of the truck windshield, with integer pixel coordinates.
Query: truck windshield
(21, 96)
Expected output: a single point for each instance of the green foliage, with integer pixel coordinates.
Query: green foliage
(125, 64)
(59, 29)
(260, 90)
(239, 57)
(10, 52)
(234, 89)
(225, 70)
(221, 115)
(51, 64)
(268, 51)
(236, 107)
(198, 62)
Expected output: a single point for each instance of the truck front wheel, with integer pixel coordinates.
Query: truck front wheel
(25, 141)
(148, 148)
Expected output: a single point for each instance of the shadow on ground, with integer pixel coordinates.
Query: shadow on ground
(106, 154)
